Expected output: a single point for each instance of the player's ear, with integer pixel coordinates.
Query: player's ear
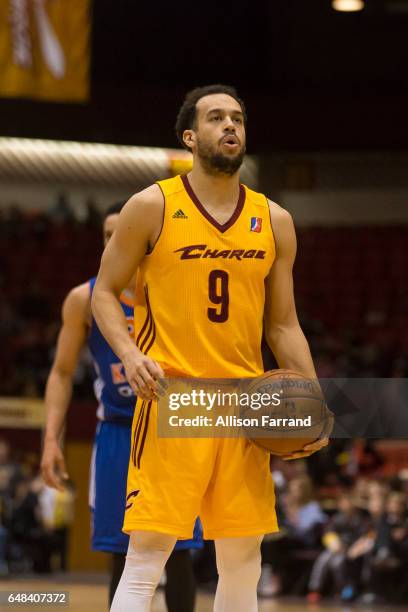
(189, 138)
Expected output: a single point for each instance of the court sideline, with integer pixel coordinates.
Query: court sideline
(89, 593)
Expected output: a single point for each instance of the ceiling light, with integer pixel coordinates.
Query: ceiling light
(348, 5)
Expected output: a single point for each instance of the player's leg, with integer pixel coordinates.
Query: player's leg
(179, 570)
(239, 569)
(166, 481)
(238, 508)
(145, 561)
(180, 589)
(117, 566)
(107, 495)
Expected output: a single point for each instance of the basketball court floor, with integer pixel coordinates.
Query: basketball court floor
(89, 594)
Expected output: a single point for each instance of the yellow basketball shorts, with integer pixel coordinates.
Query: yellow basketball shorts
(225, 481)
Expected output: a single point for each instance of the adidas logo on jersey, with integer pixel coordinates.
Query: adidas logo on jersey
(179, 214)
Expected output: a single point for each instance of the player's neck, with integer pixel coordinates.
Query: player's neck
(221, 189)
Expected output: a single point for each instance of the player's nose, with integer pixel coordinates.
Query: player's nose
(229, 125)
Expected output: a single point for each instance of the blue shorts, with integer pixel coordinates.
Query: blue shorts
(107, 491)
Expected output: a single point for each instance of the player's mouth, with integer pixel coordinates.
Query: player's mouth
(230, 142)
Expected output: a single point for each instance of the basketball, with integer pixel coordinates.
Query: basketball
(300, 418)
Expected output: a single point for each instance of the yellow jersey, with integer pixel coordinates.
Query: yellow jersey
(200, 292)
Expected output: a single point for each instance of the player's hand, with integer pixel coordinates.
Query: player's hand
(307, 450)
(53, 468)
(142, 374)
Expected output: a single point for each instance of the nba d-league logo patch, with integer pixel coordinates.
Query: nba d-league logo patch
(256, 224)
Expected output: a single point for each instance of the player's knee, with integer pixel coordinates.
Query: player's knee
(150, 542)
(239, 556)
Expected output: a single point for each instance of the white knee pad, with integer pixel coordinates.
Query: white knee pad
(145, 560)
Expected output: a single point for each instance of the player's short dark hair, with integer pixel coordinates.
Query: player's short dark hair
(114, 209)
(187, 114)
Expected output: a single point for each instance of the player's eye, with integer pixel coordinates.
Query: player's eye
(238, 120)
(216, 118)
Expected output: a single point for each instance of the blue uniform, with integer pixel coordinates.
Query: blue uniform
(111, 451)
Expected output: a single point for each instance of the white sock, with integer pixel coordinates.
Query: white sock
(239, 569)
(145, 560)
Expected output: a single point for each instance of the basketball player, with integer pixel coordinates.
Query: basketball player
(112, 443)
(215, 261)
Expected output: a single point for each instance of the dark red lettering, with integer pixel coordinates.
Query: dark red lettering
(238, 254)
(260, 255)
(210, 253)
(249, 254)
(188, 251)
(224, 254)
(218, 292)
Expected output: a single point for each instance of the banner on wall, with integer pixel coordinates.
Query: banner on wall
(22, 413)
(45, 49)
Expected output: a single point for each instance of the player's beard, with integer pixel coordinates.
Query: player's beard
(215, 162)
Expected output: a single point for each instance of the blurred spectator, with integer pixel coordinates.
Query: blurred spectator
(93, 218)
(304, 516)
(358, 554)
(40, 227)
(345, 527)
(298, 541)
(387, 563)
(62, 212)
(37, 521)
(13, 222)
(10, 471)
(57, 513)
(367, 458)
(25, 527)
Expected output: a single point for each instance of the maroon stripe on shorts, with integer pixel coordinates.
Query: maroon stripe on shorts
(134, 433)
(137, 432)
(146, 425)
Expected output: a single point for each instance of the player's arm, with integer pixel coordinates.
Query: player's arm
(282, 329)
(138, 227)
(72, 336)
(283, 332)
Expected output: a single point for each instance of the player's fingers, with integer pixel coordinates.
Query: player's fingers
(132, 382)
(154, 369)
(62, 468)
(147, 379)
(161, 387)
(50, 477)
(315, 446)
(137, 383)
(143, 390)
(300, 455)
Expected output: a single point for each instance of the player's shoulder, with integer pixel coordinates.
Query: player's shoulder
(146, 202)
(277, 213)
(77, 304)
(150, 196)
(281, 219)
(255, 197)
(283, 228)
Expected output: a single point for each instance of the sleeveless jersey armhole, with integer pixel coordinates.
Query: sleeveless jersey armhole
(150, 251)
(270, 221)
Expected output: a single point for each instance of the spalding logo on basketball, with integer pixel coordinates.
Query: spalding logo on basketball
(299, 417)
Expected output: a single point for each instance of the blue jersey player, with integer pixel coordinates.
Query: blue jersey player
(112, 442)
